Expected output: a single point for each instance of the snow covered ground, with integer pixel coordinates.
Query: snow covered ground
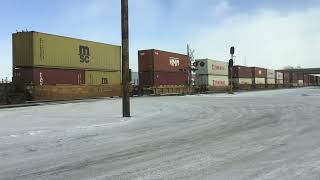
(250, 135)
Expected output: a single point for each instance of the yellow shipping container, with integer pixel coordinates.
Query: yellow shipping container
(101, 77)
(34, 49)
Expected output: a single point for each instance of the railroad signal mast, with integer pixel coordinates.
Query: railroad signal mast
(232, 51)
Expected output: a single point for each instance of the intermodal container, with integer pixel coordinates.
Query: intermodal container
(243, 81)
(306, 80)
(156, 61)
(279, 75)
(271, 81)
(279, 81)
(34, 49)
(260, 81)
(259, 72)
(286, 77)
(102, 78)
(271, 74)
(242, 72)
(154, 79)
(48, 76)
(313, 80)
(300, 76)
(212, 80)
(294, 77)
(211, 67)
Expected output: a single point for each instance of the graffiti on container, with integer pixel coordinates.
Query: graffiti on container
(175, 62)
(41, 79)
(84, 53)
(219, 83)
(217, 67)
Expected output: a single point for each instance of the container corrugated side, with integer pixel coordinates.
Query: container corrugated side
(241, 72)
(212, 67)
(212, 80)
(102, 78)
(259, 72)
(22, 49)
(271, 74)
(271, 81)
(49, 76)
(157, 61)
(279, 76)
(243, 81)
(279, 81)
(286, 77)
(62, 52)
(259, 80)
(155, 79)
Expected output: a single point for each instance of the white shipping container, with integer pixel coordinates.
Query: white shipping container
(242, 81)
(212, 67)
(271, 81)
(211, 80)
(279, 76)
(260, 80)
(300, 82)
(279, 81)
(271, 74)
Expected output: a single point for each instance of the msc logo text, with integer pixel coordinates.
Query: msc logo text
(84, 53)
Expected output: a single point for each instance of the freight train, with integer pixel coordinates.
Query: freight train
(52, 67)
(162, 72)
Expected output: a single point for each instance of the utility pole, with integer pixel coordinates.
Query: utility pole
(125, 58)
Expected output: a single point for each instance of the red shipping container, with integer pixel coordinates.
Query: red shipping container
(286, 77)
(300, 76)
(49, 76)
(306, 79)
(294, 77)
(154, 79)
(241, 72)
(156, 60)
(259, 72)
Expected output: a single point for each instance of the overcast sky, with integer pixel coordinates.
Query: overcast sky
(266, 33)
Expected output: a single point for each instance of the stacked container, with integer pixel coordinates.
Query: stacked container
(286, 79)
(259, 76)
(294, 79)
(242, 77)
(300, 79)
(161, 68)
(44, 59)
(306, 80)
(279, 79)
(212, 74)
(313, 80)
(271, 78)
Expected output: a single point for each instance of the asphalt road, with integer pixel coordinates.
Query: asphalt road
(251, 135)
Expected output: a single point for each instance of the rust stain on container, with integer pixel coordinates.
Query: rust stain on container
(242, 72)
(157, 61)
(48, 76)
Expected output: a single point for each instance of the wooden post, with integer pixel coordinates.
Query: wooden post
(125, 58)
